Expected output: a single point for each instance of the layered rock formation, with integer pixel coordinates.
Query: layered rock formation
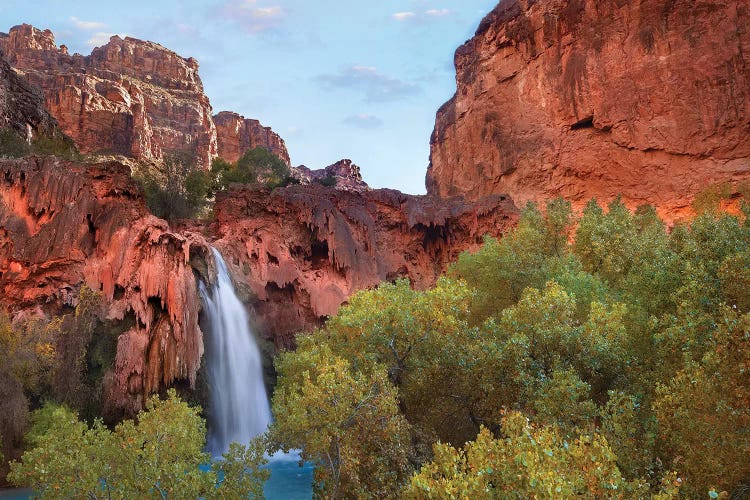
(236, 134)
(581, 98)
(63, 225)
(130, 97)
(344, 175)
(299, 252)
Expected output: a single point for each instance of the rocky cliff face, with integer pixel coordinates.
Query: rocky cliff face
(22, 106)
(236, 134)
(581, 98)
(299, 252)
(63, 225)
(296, 254)
(130, 97)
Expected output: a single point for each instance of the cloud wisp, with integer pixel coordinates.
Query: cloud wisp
(252, 17)
(363, 121)
(422, 16)
(376, 86)
(87, 25)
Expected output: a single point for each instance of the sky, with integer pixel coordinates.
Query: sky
(335, 78)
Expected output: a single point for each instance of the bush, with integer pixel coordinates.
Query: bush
(13, 145)
(257, 166)
(180, 192)
(158, 455)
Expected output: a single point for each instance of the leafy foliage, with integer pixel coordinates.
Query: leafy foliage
(622, 338)
(530, 462)
(256, 166)
(347, 422)
(13, 145)
(179, 192)
(158, 455)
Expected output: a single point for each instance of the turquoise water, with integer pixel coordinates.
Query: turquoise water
(288, 481)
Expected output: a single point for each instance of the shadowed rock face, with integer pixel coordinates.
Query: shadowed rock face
(22, 105)
(585, 98)
(130, 97)
(299, 252)
(63, 225)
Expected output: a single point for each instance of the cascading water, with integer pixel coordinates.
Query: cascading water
(239, 403)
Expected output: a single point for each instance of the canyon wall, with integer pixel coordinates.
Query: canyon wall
(586, 98)
(64, 225)
(129, 97)
(299, 252)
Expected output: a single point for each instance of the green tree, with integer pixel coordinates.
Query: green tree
(529, 462)
(704, 411)
(346, 422)
(158, 455)
(255, 166)
(179, 191)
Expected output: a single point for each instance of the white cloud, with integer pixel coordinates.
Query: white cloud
(437, 12)
(376, 86)
(364, 121)
(87, 25)
(99, 38)
(252, 17)
(403, 16)
(420, 16)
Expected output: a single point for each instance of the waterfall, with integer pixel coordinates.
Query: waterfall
(239, 403)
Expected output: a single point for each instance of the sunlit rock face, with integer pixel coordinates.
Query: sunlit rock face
(299, 252)
(64, 225)
(237, 134)
(133, 98)
(583, 98)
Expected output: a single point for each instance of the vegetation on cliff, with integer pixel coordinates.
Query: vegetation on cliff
(613, 366)
(182, 190)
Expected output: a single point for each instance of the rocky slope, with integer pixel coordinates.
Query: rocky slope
(129, 97)
(582, 98)
(299, 252)
(63, 225)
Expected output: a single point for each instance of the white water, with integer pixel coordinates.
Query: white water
(239, 403)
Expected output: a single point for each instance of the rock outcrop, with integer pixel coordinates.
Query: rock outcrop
(236, 134)
(22, 106)
(344, 175)
(63, 225)
(131, 97)
(583, 98)
(299, 252)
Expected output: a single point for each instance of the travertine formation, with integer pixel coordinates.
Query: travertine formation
(130, 97)
(63, 225)
(236, 134)
(585, 98)
(299, 252)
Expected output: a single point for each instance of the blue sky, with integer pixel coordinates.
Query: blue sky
(336, 79)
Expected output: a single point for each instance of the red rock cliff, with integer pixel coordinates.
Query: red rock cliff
(299, 252)
(63, 225)
(130, 97)
(236, 134)
(584, 98)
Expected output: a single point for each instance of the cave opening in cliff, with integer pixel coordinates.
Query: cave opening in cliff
(319, 254)
(587, 122)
